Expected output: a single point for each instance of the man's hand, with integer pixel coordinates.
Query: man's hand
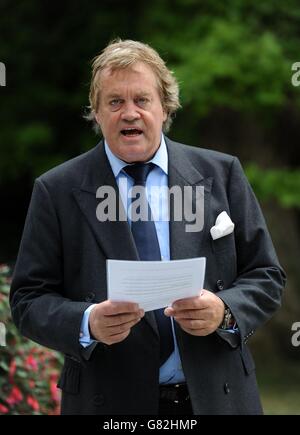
(110, 322)
(200, 315)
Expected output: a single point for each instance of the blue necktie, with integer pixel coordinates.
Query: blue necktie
(146, 241)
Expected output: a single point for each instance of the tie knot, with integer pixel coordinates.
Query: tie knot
(139, 172)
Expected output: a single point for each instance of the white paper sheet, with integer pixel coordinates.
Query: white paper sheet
(154, 284)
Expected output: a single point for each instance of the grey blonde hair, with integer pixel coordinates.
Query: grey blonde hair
(122, 54)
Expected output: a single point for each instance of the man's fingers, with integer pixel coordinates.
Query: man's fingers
(117, 338)
(191, 314)
(120, 319)
(113, 319)
(110, 308)
(194, 303)
(192, 324)
(119, 329)
(169, 311)
(116, 334)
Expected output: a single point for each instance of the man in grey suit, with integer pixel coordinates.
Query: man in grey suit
(114, 362)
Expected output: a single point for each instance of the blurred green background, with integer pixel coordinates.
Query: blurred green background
(233, 60)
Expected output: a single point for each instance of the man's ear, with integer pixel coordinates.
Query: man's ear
(97, 117)
(165, 116)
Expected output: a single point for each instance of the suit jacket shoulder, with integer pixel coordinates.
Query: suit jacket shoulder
(72, 172)
(207, 162)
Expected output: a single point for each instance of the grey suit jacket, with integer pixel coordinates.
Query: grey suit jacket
(61, 270)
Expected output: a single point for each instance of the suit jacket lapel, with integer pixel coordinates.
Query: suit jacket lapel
(114, 237)
(182, 173)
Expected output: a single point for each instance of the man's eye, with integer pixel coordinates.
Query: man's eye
(142, 101)
(114, 102)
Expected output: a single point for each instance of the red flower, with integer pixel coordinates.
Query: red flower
(31, 363)
(15, 396)
(54, 391)
(3, 409)
(33, 403)
(54, 377)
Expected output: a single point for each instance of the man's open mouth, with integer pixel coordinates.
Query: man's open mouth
(131, 131)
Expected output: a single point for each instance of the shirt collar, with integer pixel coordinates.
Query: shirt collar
(160, 158)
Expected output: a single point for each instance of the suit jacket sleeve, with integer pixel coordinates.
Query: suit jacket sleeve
(39, 309)
(256, 292)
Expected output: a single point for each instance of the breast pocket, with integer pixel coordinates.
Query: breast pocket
(223, 243)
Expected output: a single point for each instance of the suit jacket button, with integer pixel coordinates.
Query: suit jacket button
(90, 297)
(99, 400)
(220, 284)
(226, 388)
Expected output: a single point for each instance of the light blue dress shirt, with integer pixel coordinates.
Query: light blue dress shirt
(171, 371)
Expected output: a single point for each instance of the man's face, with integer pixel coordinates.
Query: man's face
(130, 112)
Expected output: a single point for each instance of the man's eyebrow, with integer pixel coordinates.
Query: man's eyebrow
(113, 95)
(118, 95)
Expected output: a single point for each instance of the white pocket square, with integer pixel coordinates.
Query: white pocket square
(223, 226)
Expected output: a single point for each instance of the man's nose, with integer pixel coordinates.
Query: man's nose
(130, 112)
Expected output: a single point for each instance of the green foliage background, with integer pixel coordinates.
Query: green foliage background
(234, 56)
